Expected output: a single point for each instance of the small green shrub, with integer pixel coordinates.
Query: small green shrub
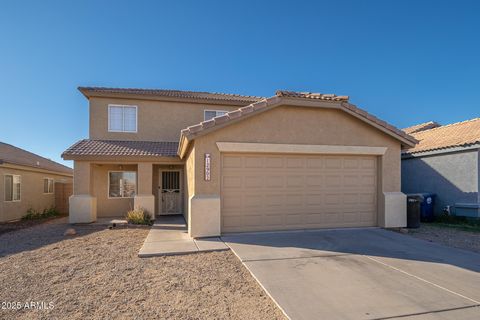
(464, 223)
(139, 216)
(33, 214)
(445, 218)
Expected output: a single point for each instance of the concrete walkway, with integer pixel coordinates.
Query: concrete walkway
(361, 274)
(169, 236)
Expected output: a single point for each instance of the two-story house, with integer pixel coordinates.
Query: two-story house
(232, 163)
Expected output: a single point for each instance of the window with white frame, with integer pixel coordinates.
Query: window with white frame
(122, 184)
(12, 187)
(210, 114)
(122, 118)
(48, 186)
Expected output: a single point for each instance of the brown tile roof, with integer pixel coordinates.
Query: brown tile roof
(114, 148)
(310, 95)
(195, 130)
(460, 134)
(196, 95)
(13, 155)
(421, 127)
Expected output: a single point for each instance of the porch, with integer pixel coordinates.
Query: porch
(110, 189)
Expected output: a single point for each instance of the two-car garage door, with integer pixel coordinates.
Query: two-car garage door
(278, 192)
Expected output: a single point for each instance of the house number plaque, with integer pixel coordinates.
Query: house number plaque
(207, 166)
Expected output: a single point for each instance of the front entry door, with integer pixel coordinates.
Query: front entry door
(170, 192)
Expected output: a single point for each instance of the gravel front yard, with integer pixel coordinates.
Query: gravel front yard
(97, 275)
(452, 237)
(21, 224)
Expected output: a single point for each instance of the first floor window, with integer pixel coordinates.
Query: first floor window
(47, 185)
(210, 114)
(12, 187)
(122, 184)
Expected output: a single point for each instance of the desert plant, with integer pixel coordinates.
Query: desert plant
(33, 214)
(50, 212)
(139, 216)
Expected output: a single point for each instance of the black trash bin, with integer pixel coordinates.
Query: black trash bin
(426, 201)
(413, 212)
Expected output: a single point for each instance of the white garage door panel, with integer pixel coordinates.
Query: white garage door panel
(278, 192)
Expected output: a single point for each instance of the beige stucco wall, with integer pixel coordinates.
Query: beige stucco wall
(82, 184)
(157, 120)
(298, 125)
(32, 195)
(189, 179)
(114, 207)
(97, 186)
(301, 125)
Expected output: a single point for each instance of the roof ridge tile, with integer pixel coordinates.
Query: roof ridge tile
(450, 125)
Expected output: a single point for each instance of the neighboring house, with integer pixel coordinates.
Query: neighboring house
(445, 162)
(28, 182)
(232, 163)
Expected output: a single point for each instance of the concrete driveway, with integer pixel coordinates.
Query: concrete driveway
(361, 274)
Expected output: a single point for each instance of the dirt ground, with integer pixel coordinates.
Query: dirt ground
(448, 236)
(21, 224)
(97, 275)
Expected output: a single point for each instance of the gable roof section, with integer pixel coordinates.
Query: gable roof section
(296, 99)
(13, 155)
(460, 134)
(163, 94)
(421, 127)
(113, 148)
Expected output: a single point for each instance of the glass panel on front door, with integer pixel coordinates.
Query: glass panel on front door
(170, 193)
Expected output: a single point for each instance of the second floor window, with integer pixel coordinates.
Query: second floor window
(122, 118)
(210, 114)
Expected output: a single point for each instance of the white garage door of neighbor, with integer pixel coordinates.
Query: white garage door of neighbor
(279, 192)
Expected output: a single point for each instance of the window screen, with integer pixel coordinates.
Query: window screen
(122, 118)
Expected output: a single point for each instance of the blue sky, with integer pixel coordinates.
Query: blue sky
(404, 61)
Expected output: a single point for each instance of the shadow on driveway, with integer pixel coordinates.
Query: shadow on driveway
(370, 242)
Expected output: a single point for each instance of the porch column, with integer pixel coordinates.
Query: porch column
(145, 198)
(82, 204)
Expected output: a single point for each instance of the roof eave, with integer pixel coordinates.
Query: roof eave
(100, 157)
(441, 150)
(183, 145)
(90, 93)
(67, 172)
(84, 91)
